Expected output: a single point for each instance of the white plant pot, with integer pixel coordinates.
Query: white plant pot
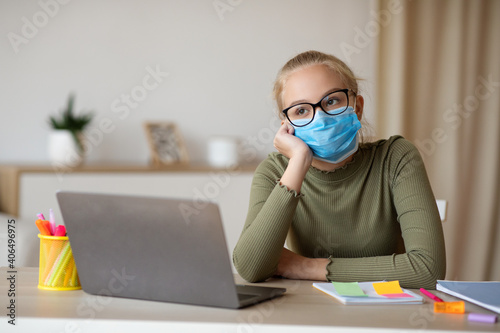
(63, 150)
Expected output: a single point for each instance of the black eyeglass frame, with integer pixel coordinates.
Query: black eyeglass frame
(314, 106)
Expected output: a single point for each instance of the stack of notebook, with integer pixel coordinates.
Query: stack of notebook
(485, 294)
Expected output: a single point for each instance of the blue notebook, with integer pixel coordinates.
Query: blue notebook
(485, 294)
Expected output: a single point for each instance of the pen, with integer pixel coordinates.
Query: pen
(60, 230)
(52, 222)
(47, 225)
(432, 296)
(42, 227)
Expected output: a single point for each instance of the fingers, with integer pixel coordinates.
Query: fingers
(286, 128)
(286, 143)
(282, 131)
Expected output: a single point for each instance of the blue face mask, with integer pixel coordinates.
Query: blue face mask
(331, 138)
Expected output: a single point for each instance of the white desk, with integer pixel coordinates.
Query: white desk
(301, 309)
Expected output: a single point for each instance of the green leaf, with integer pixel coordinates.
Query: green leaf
(69, 121)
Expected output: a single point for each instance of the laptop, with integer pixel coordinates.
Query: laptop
(153, 248)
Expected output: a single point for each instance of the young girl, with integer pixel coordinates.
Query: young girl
(350, 211)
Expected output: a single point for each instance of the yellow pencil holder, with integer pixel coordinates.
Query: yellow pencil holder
(57, 270)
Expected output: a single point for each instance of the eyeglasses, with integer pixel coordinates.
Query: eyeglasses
(332, 104)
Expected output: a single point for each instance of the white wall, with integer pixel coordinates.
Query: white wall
(220, 65)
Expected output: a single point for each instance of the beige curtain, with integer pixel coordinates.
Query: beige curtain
(438, 84)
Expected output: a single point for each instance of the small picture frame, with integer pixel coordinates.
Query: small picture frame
(166, 144)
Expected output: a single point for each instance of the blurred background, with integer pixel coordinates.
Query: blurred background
(430, 72)
(216, 63)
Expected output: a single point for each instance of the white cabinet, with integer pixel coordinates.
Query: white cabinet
(36, 188)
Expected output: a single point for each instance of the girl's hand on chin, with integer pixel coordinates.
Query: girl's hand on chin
(289, 145)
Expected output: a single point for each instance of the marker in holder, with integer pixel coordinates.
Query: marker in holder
(57, 270)
(449, 307)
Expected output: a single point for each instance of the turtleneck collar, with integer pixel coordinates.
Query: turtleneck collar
(341, 173)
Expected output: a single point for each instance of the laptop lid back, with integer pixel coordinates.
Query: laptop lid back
(149, 248)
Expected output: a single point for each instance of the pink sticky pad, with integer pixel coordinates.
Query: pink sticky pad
(482, 318)
(400, 295)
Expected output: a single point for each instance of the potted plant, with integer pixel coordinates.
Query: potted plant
(65, 142)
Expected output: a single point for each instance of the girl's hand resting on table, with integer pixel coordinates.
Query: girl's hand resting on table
(294, 266)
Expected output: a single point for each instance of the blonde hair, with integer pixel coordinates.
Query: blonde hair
(310, 58)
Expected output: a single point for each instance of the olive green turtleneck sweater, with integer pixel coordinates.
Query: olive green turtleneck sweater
(375, 218)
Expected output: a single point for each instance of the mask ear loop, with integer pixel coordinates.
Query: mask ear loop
(355, 100)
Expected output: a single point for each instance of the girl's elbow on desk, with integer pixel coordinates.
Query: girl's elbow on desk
(426, 277)
(250, 273)
(253, 276)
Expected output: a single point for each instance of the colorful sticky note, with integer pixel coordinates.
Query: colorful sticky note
(348, 289)
(391, 287)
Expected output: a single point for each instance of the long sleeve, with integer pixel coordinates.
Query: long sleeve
(424, 260)
(375, 218)
(271, 210)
